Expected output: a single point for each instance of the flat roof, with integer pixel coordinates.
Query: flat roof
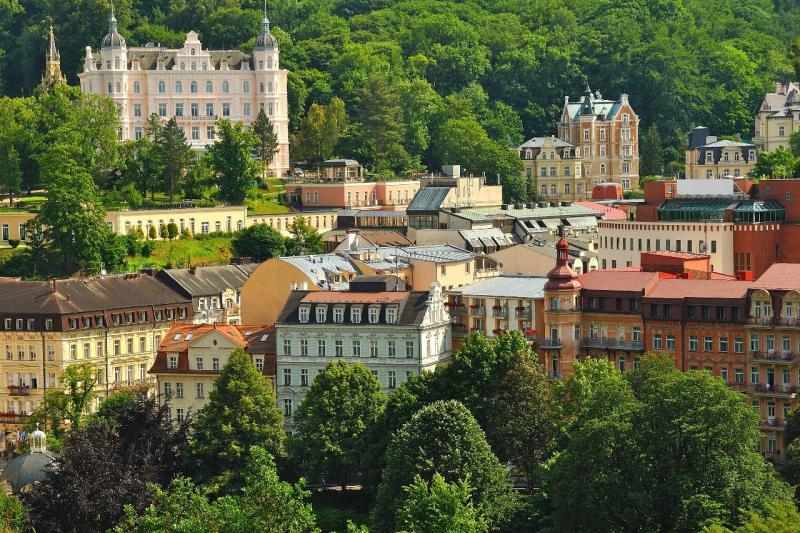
(505, 286)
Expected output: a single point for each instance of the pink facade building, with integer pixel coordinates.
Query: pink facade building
(384, 195)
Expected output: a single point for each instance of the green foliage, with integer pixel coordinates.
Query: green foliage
(152, 234)
(439, 507)
(343, 402)
(661, 449)
(13, 514)
(444, 438)
(305, 239)
(232, 161)
(264, 504)
(780, 163)
(173, 156)
(13, 242)
(172, 231)
(241, 412)
(319, 133)
(778, 517)
(267, 140)
(259, 242)
(651, 153)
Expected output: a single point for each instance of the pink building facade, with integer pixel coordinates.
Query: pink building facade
(384, 195)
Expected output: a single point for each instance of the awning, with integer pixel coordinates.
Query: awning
(582, 222)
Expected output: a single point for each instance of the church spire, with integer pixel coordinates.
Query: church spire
(52, 70)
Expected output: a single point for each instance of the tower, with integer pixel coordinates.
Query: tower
(562, 315)
(52, 69)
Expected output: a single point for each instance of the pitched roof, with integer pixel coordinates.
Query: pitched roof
(180, 337)
(427, 199)
(699, 288)
(317, 267)
(78, 295)
(609, 212)
(437, 253)
(780, 276)
(339, 297)
(618, 280)
(538, 142)
(202, 281)
(412, 306)
(507, 286)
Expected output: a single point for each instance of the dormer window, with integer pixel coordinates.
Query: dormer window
(709, 156)
(374, 312)
(391, 315)
(303, 314)
(355, 314)
(338, 314)
(172, 362)
(752, 155)
(322, 314)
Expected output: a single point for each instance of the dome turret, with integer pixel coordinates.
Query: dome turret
(113, 39)
(562, 277)
(29, 468)
(265, 41)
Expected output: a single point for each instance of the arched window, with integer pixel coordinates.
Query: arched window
(193, 87)
(226, 86)
(209, 87)
(162, 87)
(178, 87)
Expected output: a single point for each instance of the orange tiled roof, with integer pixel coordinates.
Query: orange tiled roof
(630, 279)
(609, 213)
(176, 338)
(780, 276)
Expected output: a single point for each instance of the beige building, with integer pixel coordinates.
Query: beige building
(777, 117)
(605, 134)
(113, 322)
(194, 85)
(322, 221)
(191, 357)
(620, 243)
(196, 219)
(553, 170)
(492, 306)
(269, 286)
(537, 258)
(709, 158)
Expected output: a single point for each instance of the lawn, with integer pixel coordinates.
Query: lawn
(182, 253)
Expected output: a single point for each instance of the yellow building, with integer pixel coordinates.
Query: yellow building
(553, 170)
(777, 117)
(709, 158)
(113, 322)
(191, 357)
(322, 221)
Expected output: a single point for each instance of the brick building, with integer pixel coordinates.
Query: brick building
(747, 333)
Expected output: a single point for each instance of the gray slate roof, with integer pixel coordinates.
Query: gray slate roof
(27, 469)
(506, 286)
(427, 200)
(538, 142)
(437, 253)
(487, 213)
(317, 267)
(206, 281)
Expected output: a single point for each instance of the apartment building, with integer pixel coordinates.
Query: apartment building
(113, 322)
(191, 84)
(191, 357)
(605, 134)
(395, 333)
(364, 195)
(493, 306)
(710, 158)
(214, 291)
(744, 332)
(553, 170)
(777, 117)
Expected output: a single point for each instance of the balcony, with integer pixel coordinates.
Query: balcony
(774, 357)
(738, 387)
(500, 312)
(772, 424)
(522, 312)
(458, 310)
(549, 343)
(611, 343)
(477, 310)
(18, 390)
(763, 322)
(766, 389)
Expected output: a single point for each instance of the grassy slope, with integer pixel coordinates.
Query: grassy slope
(185, 252)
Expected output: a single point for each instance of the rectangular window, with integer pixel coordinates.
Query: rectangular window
(287, 377)
(754, 375)
(179, 389)
(671, 342)
(409, 349)
(303, 347)
(692, 343)
(246, 109)
(198, 362)
(338, 348)
(321, 347)
(657, 341)
(304, 377)
(179, 414)
(226, 110)
(215, 363)
(390, 348)
(373, 348)
(201, 393)
(753, 342)
(392, 379)
(287, 407)
(172, 362)
(287, 347)
(738, 345)
(708, 344)
(723, 344)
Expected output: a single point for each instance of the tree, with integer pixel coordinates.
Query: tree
(13, 514)
(267, 141)
(651, 153)
(221, 441)
(305, 239)
(780, 517)
(794, 143)
(259, 242)
(108, 464)
(343, 402)
(661, 449)
(265, 504)
(780, 163)
(152, 234)
(319, 133)
(232, 161)
(444, 438)
(174, 156)
(172, 230)
(439, 507)
(72, 224)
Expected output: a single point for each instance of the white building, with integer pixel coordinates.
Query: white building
(194, 85)
(394, 333)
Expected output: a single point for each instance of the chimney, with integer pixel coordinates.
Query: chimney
(193, 270)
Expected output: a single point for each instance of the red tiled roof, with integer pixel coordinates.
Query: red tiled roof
(237, 334)
(618, 280)
(780, 276)
(334, 297)
(609, 213)
(699, 288)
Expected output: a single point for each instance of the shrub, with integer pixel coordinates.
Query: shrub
(172, 230)
(152, 233)
(147, 248)
(13, 242)
(186, 233)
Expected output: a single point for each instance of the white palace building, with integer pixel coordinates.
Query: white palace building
(194, 85)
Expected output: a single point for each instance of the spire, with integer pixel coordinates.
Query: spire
(52, 64)
(588, 106)
(265, 21)
(265, 41)
(113, 39)
(562, 277)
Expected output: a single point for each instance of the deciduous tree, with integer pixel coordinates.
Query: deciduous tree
(305, 239)
(259, 242)
(439, 507)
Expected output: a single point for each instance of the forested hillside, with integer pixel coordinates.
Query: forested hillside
(425, 81)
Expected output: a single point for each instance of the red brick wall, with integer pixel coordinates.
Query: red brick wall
(777, 190)
(759, 240)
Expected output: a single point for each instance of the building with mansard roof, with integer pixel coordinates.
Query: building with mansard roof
(194, 85)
